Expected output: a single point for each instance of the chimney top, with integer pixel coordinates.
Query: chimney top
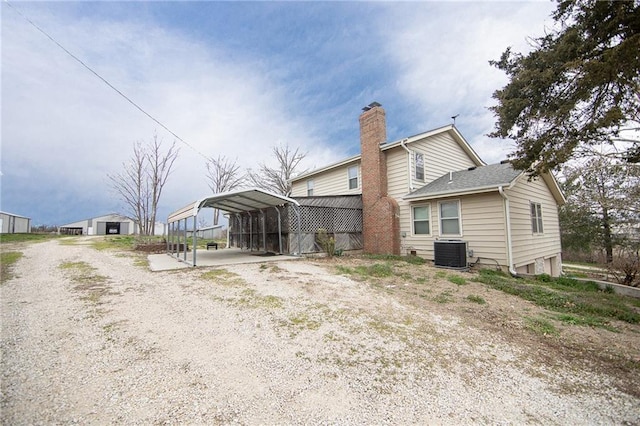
(371, 105)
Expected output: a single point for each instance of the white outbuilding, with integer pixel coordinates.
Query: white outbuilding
(14, 224)
(110, 224)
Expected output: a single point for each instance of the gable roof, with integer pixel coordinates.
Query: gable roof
(476, 180)
(451, 129)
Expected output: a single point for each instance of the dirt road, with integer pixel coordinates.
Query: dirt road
(93, 337)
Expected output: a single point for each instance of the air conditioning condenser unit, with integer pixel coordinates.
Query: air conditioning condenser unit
(450, 254)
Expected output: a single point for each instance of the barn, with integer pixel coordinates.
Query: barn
(14, 224)
(110, 224)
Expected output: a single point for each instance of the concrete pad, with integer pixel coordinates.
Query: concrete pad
(212, 258)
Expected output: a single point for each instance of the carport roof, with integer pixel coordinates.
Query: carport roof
(244, 200)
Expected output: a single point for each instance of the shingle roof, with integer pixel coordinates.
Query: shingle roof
(478, 178)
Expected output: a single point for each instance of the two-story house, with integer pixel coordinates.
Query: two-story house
(432, 189)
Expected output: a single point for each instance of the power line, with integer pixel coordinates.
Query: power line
(104, 80)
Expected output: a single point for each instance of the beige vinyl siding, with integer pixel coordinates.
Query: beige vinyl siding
(330, 182)
(526, 245)
(442, 155)
(482, 227)
(482, 218)
(397, 178)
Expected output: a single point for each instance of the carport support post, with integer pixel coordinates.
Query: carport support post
(240, 239)
(279, 229)
(195, 240)
(250, 231)
(299, 219)
(264, 230)
(228, 229)
(176, 246)
(185, 239)
(168, 235)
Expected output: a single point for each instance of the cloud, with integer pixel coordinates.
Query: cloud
(233, 79)
(60, 123)
(441, 54)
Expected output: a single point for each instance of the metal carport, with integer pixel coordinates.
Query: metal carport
(233, 202)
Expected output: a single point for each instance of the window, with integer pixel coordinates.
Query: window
(536, 218)
(421, 220)
(353, 177)
(310, 188)
(419, 172)
(450, 218)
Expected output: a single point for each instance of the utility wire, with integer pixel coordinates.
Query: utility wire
(105, 80)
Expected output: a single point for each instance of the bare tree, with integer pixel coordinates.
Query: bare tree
(223, 175)
(142, 179)
(278, 179)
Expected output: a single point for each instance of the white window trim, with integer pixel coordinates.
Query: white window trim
(429, 215)
(310, 187)
(415, 167)
(357, 177)
(540, 222)
(459, 218)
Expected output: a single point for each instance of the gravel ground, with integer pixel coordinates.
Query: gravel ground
(92, 337)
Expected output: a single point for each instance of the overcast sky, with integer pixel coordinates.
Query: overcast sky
(234, 79)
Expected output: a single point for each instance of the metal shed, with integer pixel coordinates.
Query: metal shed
(254, 202)
(14, 224)
(109, 224)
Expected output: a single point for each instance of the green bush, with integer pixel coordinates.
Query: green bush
(327, 242)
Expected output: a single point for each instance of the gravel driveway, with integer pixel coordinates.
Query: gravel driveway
(93, 337)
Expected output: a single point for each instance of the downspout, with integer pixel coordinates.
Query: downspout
(508, 220)
(408, 163)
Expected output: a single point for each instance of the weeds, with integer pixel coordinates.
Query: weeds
(541, 326)
(303, 321)
(223, 277)
(7, 260)
(250, 298)
(377, 270)
(414, 260)
(91, 285)
(456, 279)
(444, 297)
(22, 238)
(476, 299)
(565, 295)
(122, 242)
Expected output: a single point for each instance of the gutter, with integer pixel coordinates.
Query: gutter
(508, 223)
(402, 144)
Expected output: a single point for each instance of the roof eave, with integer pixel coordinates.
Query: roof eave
(446, 194)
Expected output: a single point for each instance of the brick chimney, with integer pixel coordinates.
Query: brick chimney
(380, 213)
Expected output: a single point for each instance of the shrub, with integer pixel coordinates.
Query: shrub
(327, 242)
(625, 267)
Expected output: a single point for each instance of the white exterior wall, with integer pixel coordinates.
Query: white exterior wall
(529, 249)
(14, 224)
(330, 182)
(91, 226)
